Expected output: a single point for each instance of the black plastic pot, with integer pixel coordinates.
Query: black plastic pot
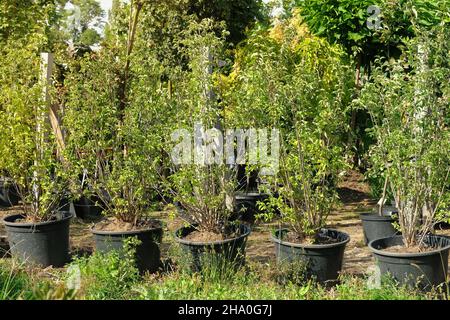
(425, 269)
(377, 227)
(442, 225)
(8, 194)
(246, 205)
(86, 208)
(45, 244)
(64, 205)
(229, 252)
(148, 254)
(323, 261)
(244, 182)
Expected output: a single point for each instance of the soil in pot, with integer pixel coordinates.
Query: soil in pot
(110, 234)
(44, 244)
(323, 257)
(207, 250)
(424, 267)
(205, 236)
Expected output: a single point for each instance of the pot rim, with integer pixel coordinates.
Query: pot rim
(310, 246)
(371, 216)
(67, 216)
(248, 230)
(131, 232)
(245, 195)
(406, 255)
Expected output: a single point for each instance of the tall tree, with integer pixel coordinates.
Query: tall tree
(84, 20)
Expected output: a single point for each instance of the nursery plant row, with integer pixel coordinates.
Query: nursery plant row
(179, 108)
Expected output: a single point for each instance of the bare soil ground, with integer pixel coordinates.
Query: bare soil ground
(353, 192)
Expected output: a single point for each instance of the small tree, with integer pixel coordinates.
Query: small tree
(408, 101)
(288, 79)
(114, 120)
(82, 21)
(28, 145)
(202, 188)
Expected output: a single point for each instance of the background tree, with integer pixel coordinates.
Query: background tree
(84, 20)
(20, 19)
(408, 100)
(345, 22)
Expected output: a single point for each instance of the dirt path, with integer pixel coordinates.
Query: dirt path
(354, 194)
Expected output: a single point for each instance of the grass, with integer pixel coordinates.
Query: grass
(114, 276)
(20, 283)
(13, 284)
(251, 284)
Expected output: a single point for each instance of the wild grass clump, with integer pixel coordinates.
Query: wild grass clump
(105, 276)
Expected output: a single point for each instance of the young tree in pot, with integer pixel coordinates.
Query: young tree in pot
(40, 233)
(201, 181)
(309, 168)
(114, 125)
(297, 83)
(408, 100)
(209, 235)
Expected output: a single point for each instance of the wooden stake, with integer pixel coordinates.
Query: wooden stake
(47, 71)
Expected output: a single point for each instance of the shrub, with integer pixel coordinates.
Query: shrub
(297, 83)
(407, 100)
(27, 142)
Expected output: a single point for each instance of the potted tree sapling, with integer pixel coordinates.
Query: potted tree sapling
(208, 233)
(407, 100)
(39, 234)
(285, 78)
(306, 196)
(113, 123)
(201, 182)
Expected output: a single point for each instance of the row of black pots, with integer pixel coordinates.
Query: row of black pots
(417, 270)
(423, 270)
(85, 208)
(47, 244)
(322, 262)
